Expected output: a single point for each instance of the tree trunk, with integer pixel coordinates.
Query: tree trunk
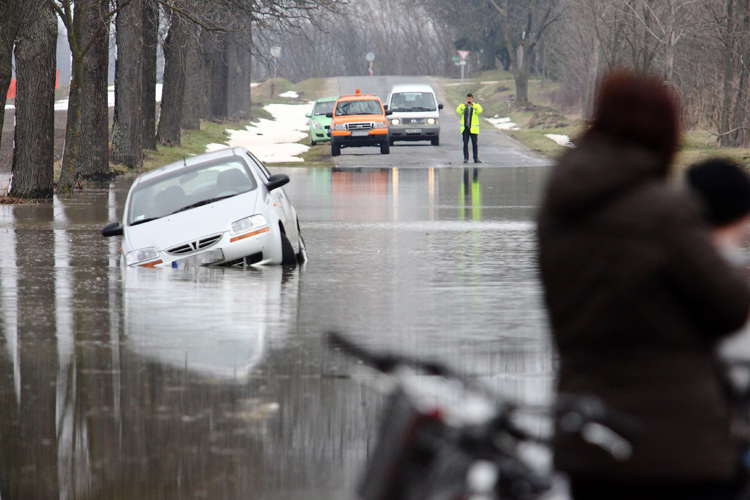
(219, 79)
(170, 117)
(738, 136)
(238, 81)
(8, 30)
(591, 80)
(150, 46)
(127, 136)
(194, 84)
(489, 46)
(726, 103)
(33, 155)
(93, 159)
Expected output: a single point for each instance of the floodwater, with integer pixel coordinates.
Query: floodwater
(217, 383)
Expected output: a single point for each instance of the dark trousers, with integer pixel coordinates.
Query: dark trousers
(468, 135)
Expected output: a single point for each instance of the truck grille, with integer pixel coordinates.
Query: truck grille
(194, 246)
(359, 126)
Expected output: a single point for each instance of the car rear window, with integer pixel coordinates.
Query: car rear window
(363, 107)
(413, 101)
(190, 186)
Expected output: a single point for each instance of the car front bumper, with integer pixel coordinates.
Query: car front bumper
(419, 132)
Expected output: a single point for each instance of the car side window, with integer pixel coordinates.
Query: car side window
(260, 165)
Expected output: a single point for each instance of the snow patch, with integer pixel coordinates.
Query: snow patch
(290, 93)
(503, 123)
(273, 141)
(562, 140)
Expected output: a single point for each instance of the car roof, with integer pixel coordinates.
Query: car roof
(193, 160)
(326, 99)
(412, 87)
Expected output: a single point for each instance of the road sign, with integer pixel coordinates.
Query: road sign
(370, 56)
(462, 63)
(456, 59)
(463, 54)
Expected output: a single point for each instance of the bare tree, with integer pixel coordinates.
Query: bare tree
(33, 155)
(173, 91)
(127, 138)
(150, 47)
(9, 24)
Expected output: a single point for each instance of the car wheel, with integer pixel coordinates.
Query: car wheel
(335, 149)
(312, 143)
(287, 252)
(435, 141)
(302, 254)
(385, 148)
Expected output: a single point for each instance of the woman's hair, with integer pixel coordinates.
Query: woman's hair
(638, 108)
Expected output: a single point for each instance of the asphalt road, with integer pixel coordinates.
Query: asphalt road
(495, 148)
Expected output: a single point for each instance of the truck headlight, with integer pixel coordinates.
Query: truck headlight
(141, 255)
(432, 121)
(247, 224)
(380, 124)
(338, 126)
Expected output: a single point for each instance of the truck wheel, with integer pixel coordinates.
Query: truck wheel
(335, 149)
(385, 148)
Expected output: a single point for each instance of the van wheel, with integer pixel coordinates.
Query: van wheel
(385, 148)
(435, 141)
(335, 149)
(391, 141)
(287, 252)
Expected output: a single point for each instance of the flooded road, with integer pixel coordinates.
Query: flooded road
(216, 383)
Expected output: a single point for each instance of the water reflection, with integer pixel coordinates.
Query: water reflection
(216, 383)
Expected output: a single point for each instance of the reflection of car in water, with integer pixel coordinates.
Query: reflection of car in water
(359, 120)
(193, 320)
(222, 207)
(320, 124)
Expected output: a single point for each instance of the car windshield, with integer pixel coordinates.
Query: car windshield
(189, 187)
(324, 107)
(363, 107)
(413, 101)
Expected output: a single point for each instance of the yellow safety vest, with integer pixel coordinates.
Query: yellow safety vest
(475, 110)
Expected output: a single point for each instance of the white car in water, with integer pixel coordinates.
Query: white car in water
(218, 208)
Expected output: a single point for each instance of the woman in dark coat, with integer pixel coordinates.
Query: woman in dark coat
(637, 298)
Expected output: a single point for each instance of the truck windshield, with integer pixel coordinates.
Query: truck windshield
(363, 107)
(413, 101)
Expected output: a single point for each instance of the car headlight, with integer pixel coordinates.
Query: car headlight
(247, 224)
(338, 126)
(141, 255)
(396, 121)
(432, 121)
(316, 125)
(380, 124)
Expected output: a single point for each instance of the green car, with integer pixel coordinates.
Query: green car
(320, 125)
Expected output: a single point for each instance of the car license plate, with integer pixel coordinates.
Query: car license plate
(200, 259)
(413, 130)
(359, 133)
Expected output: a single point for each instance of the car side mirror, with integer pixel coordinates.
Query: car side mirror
(307, 115)
(112, 229)
(385, 106)
(440, 106)
(329, 115)
(388, 112)
(276, 181)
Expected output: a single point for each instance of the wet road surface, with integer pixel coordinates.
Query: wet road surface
(217, 383)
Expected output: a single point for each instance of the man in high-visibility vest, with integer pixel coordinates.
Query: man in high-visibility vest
(469, 112)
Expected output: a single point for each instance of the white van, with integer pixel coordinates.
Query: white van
(416, 114)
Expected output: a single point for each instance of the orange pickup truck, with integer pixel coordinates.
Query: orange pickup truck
(359, 120)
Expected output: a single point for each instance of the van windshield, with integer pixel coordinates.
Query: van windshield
(413, 101)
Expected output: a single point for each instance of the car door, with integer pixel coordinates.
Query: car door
(280, 201)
